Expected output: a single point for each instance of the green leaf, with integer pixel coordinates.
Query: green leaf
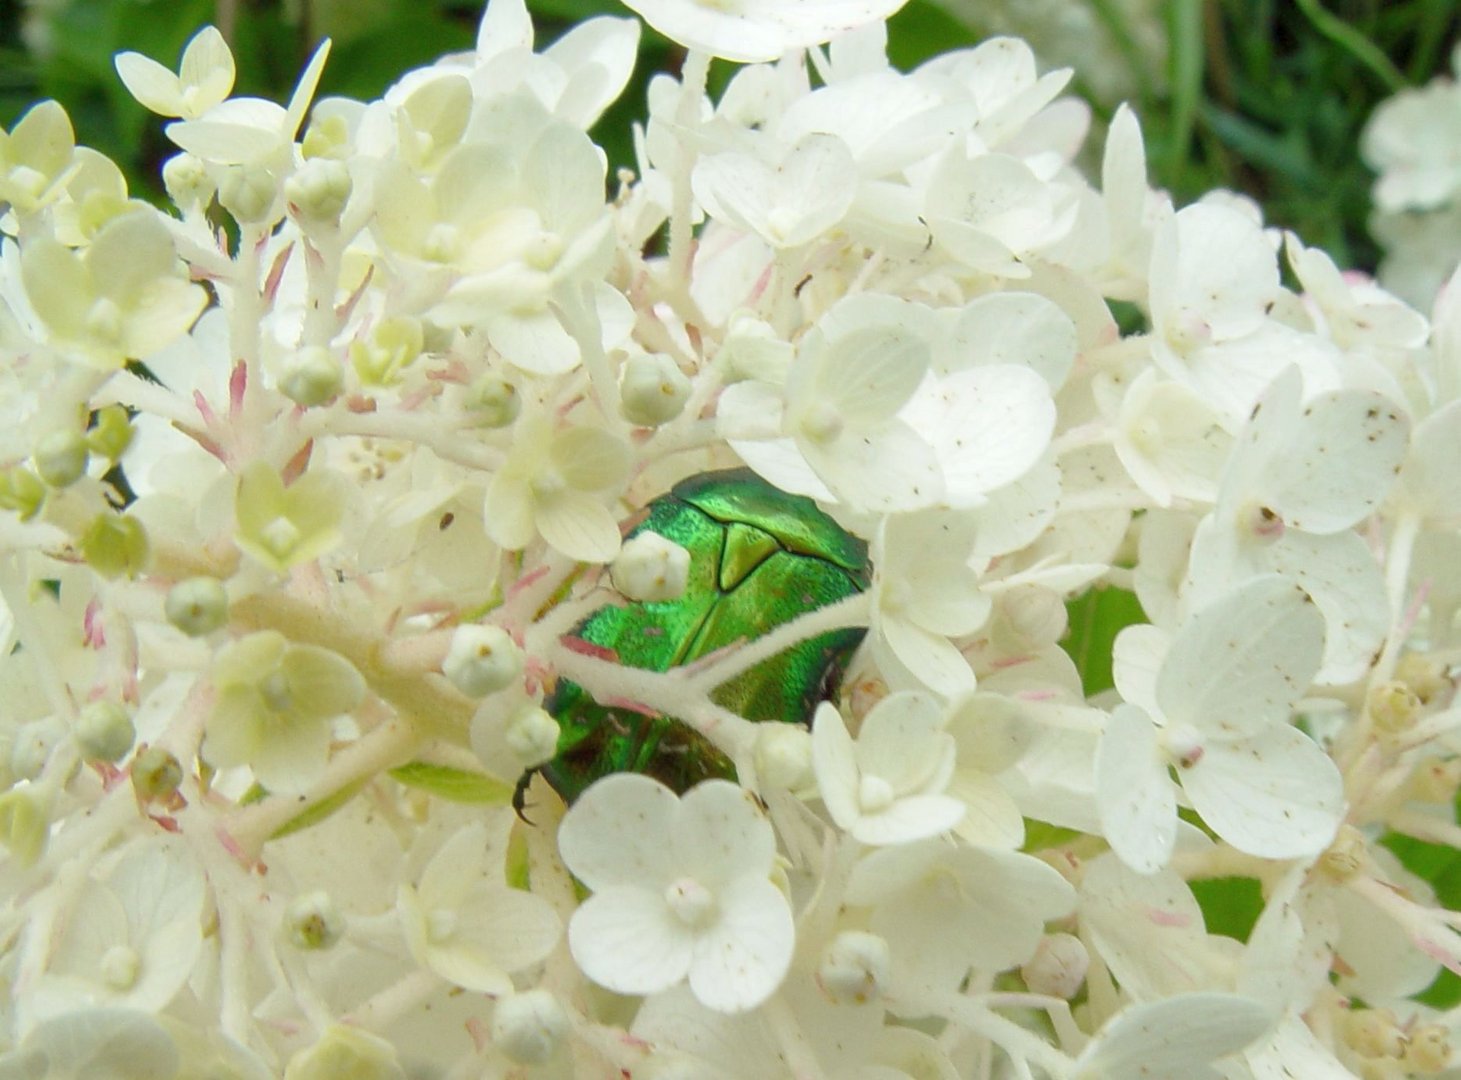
(1094, 621)
(454, 785)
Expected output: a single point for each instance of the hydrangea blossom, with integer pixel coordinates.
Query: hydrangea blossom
(276, 705)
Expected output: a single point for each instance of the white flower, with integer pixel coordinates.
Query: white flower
(129, 940)
(681, 889)
(834, 433)
(81, 1044)
(551, 485)
(1177, 1038)
(464, 923)
(204, 77)
(887, 788)
(944, 909)
(1216, 707)
(751, 31)
(789, 201)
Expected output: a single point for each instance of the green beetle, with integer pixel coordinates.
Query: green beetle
(758, 558)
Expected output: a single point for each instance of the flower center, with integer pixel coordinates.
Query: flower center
(822, 423)
(874, 794)
(441, 924)
(276, 691)
(1183, 743)
(1261, 523)
(692, 903)
(120, 966)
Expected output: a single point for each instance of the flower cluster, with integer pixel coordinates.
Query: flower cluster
(1410, 141)
(308, 483)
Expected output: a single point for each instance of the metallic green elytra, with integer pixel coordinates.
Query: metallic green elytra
(758, 558)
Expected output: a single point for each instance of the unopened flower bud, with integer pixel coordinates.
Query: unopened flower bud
(156, 774)
(318, 191)
(651, 567)
(111, 432)
(250, 194)
(187, 181)
(783, 755)
(1393, 707)
(1058, 967)
(652, 389)
(116, 545)
(529, 1027)
(1424, 674)
(60, 458)
(104, 731)
(311, 376)
(494, 401)
(482, 660)
(22, 491)
(197, 606)
(1437, 781)
(532, 734)
(326, 136)
(313, 921)
(854, 969)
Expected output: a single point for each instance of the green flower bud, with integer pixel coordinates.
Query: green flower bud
(652, 389)
(482, 660)
(22, 491)
(111, 432)
(317, 193)
(313, 921)
(250, 194)
(115, 545)
(311, 376)
(494, 401)
(156, 774)
(104, 731)
(60, 458)
(187, 181)
(197, 606)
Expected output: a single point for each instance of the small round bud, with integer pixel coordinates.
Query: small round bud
(156, 774)
(345, 1051)
(313, 921)
(854, 969)
(529, 1027)
(652, 389)
(111, 432)
(318, 191)
(250, 194)
(326, 136)
(532, 734)
(197, 606)
(119, 967)
(783, 755)
(311, 376)
(1058, 967)
(651, 567)
(187, 181)
(116, 545)
(494, 401)
(104, 731)
(482, 660)
(22, 491)
(60, 458)
(32, 747)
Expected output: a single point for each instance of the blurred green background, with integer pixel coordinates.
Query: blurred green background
(1266, 97)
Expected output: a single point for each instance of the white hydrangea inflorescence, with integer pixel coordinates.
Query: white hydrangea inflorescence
(298, 517)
